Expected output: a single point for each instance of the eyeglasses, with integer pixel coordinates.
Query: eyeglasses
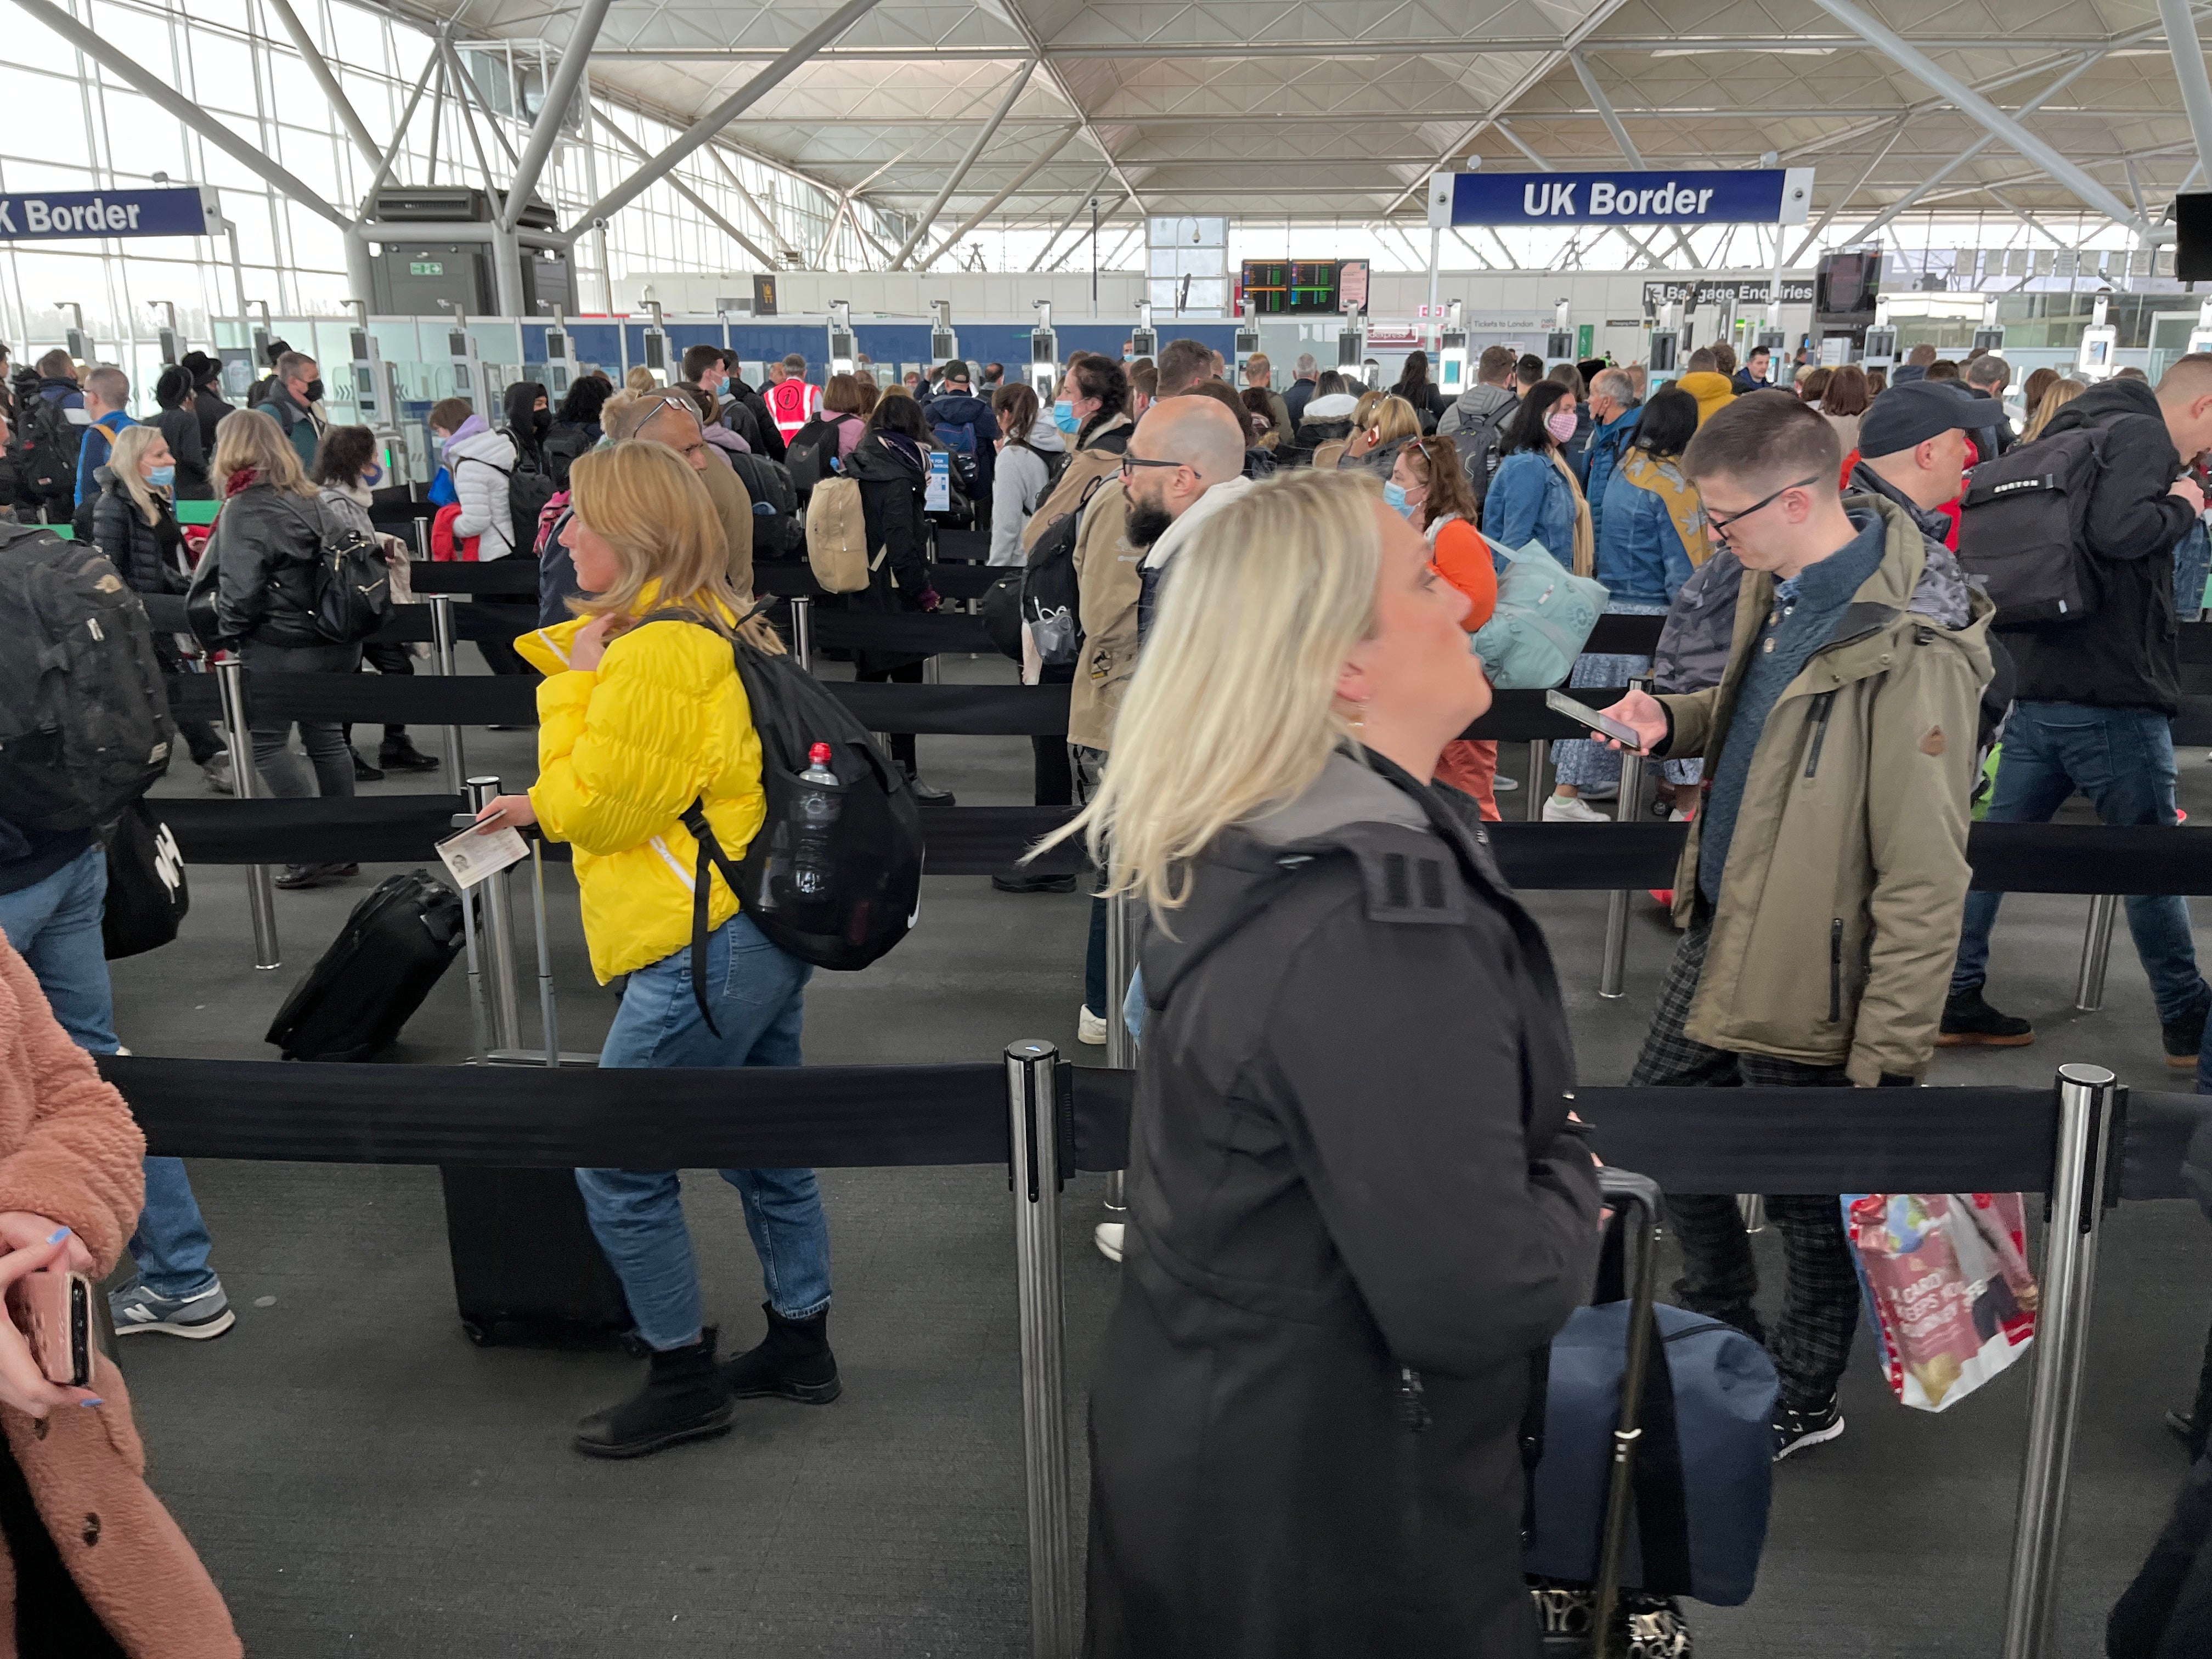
(1721, 525)
(1131, 463)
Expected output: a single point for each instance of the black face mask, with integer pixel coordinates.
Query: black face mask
(1146, 523)
(541, 421)
(315, 390)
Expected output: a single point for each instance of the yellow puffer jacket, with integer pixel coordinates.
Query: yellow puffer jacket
(1711, 391)
(621, 752)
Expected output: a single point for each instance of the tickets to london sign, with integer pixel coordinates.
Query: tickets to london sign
(54, 215)
(1765, 196)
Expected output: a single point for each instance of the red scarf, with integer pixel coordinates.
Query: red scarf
(245, 479)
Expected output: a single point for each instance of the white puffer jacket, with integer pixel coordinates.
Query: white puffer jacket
(481, 465)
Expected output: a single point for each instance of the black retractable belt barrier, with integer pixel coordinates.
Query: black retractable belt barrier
(952, 582)
(410, 623)
(1624, 636)
(918, 634)
(507, 578)
(815, 1116)
(962, 840)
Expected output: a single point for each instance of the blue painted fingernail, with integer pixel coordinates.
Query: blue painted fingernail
(92, 1402)
(58, 1235)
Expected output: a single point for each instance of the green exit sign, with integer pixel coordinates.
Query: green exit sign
(425, 267)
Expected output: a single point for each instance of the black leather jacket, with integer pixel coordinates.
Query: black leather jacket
(265, 543)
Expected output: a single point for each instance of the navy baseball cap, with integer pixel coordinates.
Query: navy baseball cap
(1909, 415)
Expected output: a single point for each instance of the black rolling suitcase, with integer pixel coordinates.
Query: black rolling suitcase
(527, 1270)
(393, 948)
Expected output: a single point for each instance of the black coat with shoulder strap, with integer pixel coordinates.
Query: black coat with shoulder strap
(1356, 1212)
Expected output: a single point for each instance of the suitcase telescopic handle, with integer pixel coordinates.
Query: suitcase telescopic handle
(1621, 1186)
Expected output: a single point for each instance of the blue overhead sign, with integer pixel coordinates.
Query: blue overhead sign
(1764, 195)
(53, 215)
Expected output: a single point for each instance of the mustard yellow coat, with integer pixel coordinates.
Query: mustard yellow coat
(622, 751)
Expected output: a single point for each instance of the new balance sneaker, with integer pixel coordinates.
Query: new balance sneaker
(198, 1316)
(1090, 1028)
(1969, 1022)
(1796, 1427)
(1106, 1236)
(1570, 809)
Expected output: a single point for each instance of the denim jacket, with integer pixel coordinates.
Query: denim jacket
(1529, 501)
(1605, 444)
(1640, 556)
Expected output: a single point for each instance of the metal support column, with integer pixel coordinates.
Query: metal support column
(2096, 953)
(990, 128)
(2088, 1100)
(260, 893)
(1615, 968)
(2180, 19)
(441, 636)
(1538, 751)
(499, 933)
(802, 631)
(1032, 1115)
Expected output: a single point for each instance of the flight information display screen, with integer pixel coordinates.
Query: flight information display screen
(1286, 286)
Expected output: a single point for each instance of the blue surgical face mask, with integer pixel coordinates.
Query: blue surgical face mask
(373, 476)
(1393, 497)
(1063, 416)
(162, 477)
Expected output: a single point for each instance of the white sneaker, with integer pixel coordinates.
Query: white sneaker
(1106, 1236)
(1503, 785)
(1568, 809)
(1092, 1029)
(1678, 816)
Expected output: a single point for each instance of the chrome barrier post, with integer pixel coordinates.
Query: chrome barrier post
(423, 540)
(499, 936)
(931, 674)
(2096, 953)
(1614, 971)
(1120, 1047)
(802, 631)
(481, 1050)
(260, 892)
(1538, 751)
(441, 634)
(2088, 1096)
(1032, 1115)
(1752, 1206)
(548, 1021)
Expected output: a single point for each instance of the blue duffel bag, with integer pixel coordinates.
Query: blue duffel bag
(1704, 1458)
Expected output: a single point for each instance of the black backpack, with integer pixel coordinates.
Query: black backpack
(1478, 450)
(528, 490)
(812, 454)
(562, 446)
(2022, 524)
(778, 532)
(51, 443)
(84, 712)
(874, 845)
(1052, 597)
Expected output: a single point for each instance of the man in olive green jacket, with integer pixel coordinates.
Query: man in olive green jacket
(1825, 875)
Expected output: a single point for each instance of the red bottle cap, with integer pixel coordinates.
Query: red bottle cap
(818, 755)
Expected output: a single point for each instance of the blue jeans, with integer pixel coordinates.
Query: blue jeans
(757, 992)
(2123, 760)
(54, 926)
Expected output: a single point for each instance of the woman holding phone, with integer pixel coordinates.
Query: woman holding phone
(71, 1180)
(641, 713)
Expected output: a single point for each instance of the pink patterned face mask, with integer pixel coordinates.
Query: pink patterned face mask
(1560, 423)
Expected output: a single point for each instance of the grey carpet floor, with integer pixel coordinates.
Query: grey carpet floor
(363, 1481)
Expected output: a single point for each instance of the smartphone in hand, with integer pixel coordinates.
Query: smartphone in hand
(1622, 733)
(53, 1310)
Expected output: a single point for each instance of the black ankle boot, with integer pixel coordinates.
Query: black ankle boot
(793, 1363)
(684, 1398)
(399, 754)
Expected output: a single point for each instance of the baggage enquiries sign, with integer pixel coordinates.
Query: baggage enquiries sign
(1764, 195)
(55, 216)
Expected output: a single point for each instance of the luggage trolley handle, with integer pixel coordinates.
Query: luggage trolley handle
(553, 1055)
(1622, 1189)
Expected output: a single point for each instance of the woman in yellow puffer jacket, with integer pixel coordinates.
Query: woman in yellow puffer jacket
(638, 718)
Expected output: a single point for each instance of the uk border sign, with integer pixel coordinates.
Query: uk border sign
(1761, 196)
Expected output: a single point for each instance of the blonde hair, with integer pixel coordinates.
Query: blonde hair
(1393, 418)
(124, 456)
(1232, 707)
(248, 438)
(641, 380)
(1364, 411)
(648, 502)
(2055, 397)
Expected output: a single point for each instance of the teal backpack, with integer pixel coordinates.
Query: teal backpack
(1544, 615)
